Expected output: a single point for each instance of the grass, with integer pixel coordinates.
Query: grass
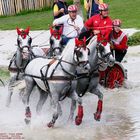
(4, 74)
(36, 20)
(126, 10)
(134, 39)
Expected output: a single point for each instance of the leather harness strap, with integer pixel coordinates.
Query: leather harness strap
(51, 62)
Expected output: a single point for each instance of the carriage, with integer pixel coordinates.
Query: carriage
(110, 77)
(113, 77)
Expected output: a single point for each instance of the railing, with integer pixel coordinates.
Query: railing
(12, 7)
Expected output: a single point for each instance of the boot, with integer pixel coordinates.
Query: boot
(97, 115)
(79, 117)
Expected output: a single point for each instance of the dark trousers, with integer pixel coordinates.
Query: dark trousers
(65, 40)
(119, 55)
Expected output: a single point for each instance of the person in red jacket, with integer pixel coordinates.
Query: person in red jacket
(100, 25)
(119, 41)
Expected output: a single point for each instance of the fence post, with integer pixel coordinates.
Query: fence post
(10, 7)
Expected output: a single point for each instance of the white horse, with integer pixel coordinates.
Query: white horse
(56, 77)
(99, 56)
(24, 53)
(56, 45)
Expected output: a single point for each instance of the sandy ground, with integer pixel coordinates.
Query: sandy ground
(120, 117)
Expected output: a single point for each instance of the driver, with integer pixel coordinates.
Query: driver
(100, 25)
(72, 24)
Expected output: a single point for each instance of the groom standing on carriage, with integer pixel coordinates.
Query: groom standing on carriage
(118, 41)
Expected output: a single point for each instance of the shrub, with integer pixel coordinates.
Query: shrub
(134, 39)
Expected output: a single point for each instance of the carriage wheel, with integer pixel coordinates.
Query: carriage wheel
(114, 78)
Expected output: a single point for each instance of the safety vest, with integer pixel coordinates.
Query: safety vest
(119, 39)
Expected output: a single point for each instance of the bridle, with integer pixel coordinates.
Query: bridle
(72, 25)
(21, 49)
(57, 35)
(103, 57)
(53, 49)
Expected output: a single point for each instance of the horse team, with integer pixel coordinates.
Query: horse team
(66, 71)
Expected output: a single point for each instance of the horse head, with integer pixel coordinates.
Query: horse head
(81, 53)
(24, 50)
(56, 45)
(24, 43)
(105, 54)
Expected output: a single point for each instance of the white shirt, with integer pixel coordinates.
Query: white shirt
(69, 25)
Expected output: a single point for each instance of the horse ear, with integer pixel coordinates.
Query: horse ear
(51, 30)
(27, 30)
(84, 42)
(18, 31)
(61, 30)
(76, 42)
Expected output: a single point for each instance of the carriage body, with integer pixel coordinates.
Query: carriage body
(113, 77)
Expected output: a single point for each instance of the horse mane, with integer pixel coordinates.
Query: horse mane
(92, 42)
(69, 49)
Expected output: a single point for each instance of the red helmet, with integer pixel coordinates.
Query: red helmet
(103, 7)
(72, 8)
(117, 22)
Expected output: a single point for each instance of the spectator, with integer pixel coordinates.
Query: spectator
(79, 6)
(72, 24)
(59, 8)
(91, 7)
(118, 41)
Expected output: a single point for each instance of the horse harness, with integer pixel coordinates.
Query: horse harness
(19, 69)
(45, 79)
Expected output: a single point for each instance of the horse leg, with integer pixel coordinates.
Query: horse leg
(59, 109)
(29, 87)
(79, 117)
(80, 114)
(10, 90)
(93, 88)
(97, 114)
(55, 105)
(72, 109)
(42, 99)
(21, 93)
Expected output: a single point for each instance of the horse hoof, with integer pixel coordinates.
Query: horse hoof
(27, 121)
(78, 120)
(50, 125)
(97, 116)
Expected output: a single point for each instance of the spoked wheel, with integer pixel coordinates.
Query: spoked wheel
(114, 77)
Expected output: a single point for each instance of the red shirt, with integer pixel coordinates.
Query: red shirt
(119, 40)
(103, 24)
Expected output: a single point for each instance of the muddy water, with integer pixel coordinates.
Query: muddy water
(120, 117)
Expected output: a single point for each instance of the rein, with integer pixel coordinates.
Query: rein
(43, 77)
(104, 56)
(2, 82)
